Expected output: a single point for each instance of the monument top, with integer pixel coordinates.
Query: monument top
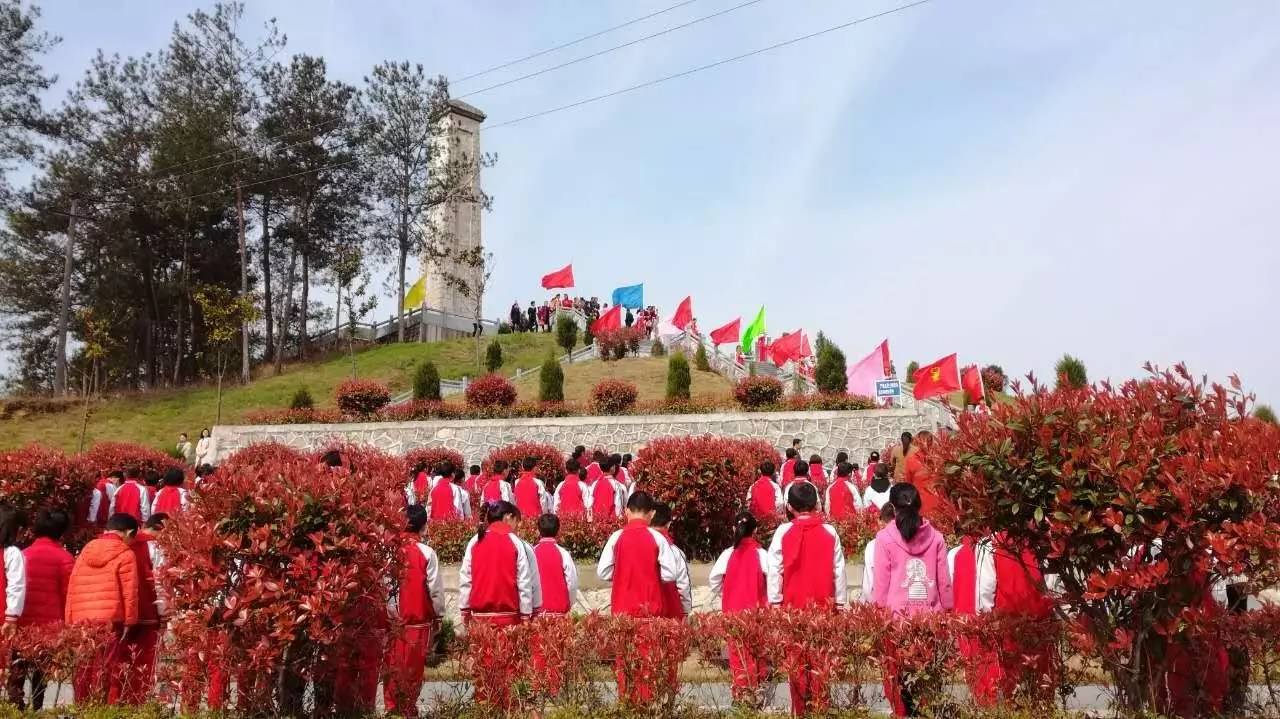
(467, 110)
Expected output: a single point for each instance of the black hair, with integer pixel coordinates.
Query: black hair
(500, 466)
(204, 470)
(174, 477)
(332, 458)
(495, 512)
(906, 443)
(579, 451)
(415, 517)
(615, 459)
(844, 469)
(906, 509)
(116, 474)
(802, 497)
(156, 521)
(795, 442)
(792, 453)
(599, 456)
(880, 480)
(152, 478)
(661, 515)
(886, 512)
(530, 464)
(548, 525)
(800, 469)
(51, 524)
(12, 520)
(606, 465)
(744, 525)
(815, 459)
(459, 475)
(121, 522)
(626, 460)
(444, 468)
(474, 470)
(842, 456)
(582, 473)
(132, 472)
(418, 468)
(571, 466)
(767, 468)
(874, 457)
(641, 501)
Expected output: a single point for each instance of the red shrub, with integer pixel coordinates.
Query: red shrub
(757, 392)
(361, 397)
(310, 415)
(550, 461)
(105, 457)
(705, 480)
(432, 457)
(260, 453)
(615, 344)
(416, 410)
(921, 651)
(993, 379)
(828, 402)
(613, 396)
(491, 390)
(856, 532)
(34, 478)
(1138, 498)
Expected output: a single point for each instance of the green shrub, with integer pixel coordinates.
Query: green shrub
(1071, 372)
(912, 367)
(588, 339)
(504, 328)
(700, 359)
(566, 333)
(426, 382)
(493, 356)
(658, 349)
(551, 381)
(830, 374)
(678, 379)
(1265, 413)
(302, 399)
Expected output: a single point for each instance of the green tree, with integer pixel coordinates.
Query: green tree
(1070, 372)
(912, 367)
(1265, 413)
(566, 333)
(700, 359)
(426, 382)
(830, 374)
(302, 399)
(223, 313)
(22, 82)
(469, 277)
(678, 379)
(493, 356)
(657, 349)
(551, 381)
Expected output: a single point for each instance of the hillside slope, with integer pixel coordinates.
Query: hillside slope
(649, 374)
(156, 418)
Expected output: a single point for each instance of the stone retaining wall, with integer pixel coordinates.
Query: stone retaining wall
(826, 433)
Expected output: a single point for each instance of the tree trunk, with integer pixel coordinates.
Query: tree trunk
(337, 318)
(84, 421)
(286, 310)
(403, 260)
(266, 276)
(304, 307)
(186, 293)
(244, 286)
(222, 363)
(64, 308)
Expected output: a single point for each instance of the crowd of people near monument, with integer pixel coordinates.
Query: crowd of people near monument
(907, 569)
(541, 317)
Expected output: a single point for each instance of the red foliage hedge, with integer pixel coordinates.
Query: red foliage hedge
(705, 480)
(432, 457)
(105, 457)
(310, 415)
(614, 396)
(361, 397)
(491, 390)
(34, 478)
(615, 344)
(259, 453)
(759, 391)
(550, 462)
(823, 402)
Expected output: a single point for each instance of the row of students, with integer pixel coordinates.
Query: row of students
(841, 498)
(136, 494)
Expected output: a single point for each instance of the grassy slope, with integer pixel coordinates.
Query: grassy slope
(156, 418)
(648, 373)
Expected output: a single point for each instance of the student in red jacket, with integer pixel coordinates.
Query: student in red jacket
(151, 479)
(806, 569)
(572, 496)
(172, 497)
(789, 467)
(496, 489)
(608, 496)
(445, 500)
(104, 589)
(817, 473)
(558, 578)
(596, 467)
(529, 491)
(131, 497)
(100, 504)
(418, 606)
(48, 570)
(677, 596)
(139, 649)
(419, 486)
(843, 500)
(765, 496)
(738, 578)
(800, 475)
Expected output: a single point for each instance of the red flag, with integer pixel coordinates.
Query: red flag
(728, 334)
(888, 366)
(786, 348)
(684, 313)
(805, 349)
(610, 320)
(559, 278)
(937, 379)
(971, 380)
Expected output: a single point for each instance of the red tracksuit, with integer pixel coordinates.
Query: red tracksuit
(48, 571)
(806, 569)
(788, 473)
(765, 499)
(604, 499)
(496, 584)
(528, 495)
(738, 576)
(105, 489)
(570, 498)
(842, 499)
(443, 505)
(496, 490)
(559, 581)
(673, 599)
(818, 476)
(419, 605)
(416, 492)
(131, 499)
(169, 500)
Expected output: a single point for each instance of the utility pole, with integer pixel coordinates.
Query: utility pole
(64, 310)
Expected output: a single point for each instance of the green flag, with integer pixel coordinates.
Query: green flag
(754, 330)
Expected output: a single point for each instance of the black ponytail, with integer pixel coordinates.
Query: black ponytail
(495, 512)
(906, 444)
(906, 509)
(744, 525)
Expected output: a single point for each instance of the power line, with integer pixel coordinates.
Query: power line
(571, 43)
(615, 48)
(718, 63)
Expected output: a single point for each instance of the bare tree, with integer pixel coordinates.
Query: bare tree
(474, 267)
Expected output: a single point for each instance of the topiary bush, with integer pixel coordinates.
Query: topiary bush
(657, 349)
(614, 396)
(757, 392)
(678, 379)
(912, 367)
(616, 343)
(361, 397)
(426, 382)
(566, 333)
(493, 356)
(705, 480)
(105, 457)
(302, 399)
(993, 379)
(830, 373)
(1071, 372)
(33, 478)
(550, 460)
(491, 390)
(432, 457)
(700, 359)
(551, 381)
(261, 453)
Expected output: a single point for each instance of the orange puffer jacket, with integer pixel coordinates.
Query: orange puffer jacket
(104, 583)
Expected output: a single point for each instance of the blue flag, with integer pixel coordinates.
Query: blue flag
(632, 296)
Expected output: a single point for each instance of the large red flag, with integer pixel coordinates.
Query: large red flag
(971, 380)
(559, 278)
(786, 348)
(610, 320)
(938, 378)
(684, 313)
(727, 335)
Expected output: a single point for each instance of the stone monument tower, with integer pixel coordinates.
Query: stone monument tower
(456, 225)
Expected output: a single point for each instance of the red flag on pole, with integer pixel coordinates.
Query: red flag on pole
(728, 334)
(684, 313)
(559, 278)
(805, 349)
(937, 379)
(971, 380)
(786, 348)
(610, 320)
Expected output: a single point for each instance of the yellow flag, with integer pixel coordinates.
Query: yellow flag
(414, 297)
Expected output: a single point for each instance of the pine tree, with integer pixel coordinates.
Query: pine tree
(426, 382)
(830, 374)
(493, 356)
(1071, 372)
(551, 381)
(678, 379)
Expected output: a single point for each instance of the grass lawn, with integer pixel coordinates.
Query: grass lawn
(649, 374)
(156, 418)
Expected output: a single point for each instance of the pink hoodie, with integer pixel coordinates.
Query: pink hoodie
(911, 576)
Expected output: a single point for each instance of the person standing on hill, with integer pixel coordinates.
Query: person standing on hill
(516, 317)
(204, 447)
(185, 448)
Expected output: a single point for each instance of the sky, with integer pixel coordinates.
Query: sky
(1004, 180)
